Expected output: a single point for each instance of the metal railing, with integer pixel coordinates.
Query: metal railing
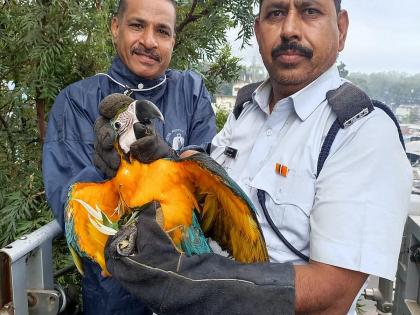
(27, 277)
(26, 274)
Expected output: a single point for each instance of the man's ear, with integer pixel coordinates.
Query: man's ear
(343, 25)
(257, 30)
(114, 28)
(173, 41)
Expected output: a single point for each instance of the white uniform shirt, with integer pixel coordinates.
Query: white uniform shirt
(351, 216)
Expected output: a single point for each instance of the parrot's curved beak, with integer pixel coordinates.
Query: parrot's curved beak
(146, 111)
(133, 121)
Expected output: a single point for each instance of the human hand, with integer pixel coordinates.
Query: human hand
(188, 153)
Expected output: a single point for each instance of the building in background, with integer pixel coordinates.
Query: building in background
(408, 114)
(225, 99)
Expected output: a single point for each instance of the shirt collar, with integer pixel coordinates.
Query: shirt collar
(261, 95)
(304, 101)
(123, 74)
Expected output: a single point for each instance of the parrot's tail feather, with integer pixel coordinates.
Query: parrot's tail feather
(77, 260)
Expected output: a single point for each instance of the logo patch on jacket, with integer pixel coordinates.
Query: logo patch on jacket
(176, 138)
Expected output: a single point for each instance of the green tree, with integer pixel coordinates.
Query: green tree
(393, 88)
(201, 37)
(45, 45)
(342, 70)
(221, 117)
(48, 44)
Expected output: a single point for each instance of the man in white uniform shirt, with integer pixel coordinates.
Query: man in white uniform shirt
(349, 218)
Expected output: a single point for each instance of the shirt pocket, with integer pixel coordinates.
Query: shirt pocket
(289, 202)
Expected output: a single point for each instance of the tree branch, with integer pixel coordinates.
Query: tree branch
(6, 2)
(98, 5)
(186, 21)
(190, 18)
(9, 137)
(40, 113)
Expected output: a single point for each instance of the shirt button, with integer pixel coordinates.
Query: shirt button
(269, 132)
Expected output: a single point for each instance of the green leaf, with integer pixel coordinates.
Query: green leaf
(108, 223)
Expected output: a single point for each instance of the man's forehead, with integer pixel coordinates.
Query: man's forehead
(151, 11)
(297, 3)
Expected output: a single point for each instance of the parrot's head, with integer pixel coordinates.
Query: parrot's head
(130, 119)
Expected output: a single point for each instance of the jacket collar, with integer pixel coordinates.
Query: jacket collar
(120, 72)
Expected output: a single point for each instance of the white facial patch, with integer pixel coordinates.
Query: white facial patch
(123, 125)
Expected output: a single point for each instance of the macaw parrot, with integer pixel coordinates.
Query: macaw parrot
(198, 199)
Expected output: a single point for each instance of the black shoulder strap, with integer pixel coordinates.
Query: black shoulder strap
(350, 104)
(244, 95)
(389, 112)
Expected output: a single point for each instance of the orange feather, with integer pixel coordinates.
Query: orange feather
(177, 186)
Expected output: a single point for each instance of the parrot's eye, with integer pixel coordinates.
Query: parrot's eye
(117, 125)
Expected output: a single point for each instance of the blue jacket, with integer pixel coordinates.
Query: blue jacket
(68, 149)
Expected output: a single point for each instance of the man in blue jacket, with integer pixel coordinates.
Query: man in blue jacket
(143, 32)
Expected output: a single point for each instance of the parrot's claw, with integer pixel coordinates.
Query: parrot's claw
(126, 241)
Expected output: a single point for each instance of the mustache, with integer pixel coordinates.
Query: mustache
(294, 46)
(140, 50)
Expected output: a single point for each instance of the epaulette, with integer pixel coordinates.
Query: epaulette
(349, 103)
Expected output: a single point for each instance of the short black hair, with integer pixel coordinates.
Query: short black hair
(336, 2)
(337, 5)
(122, 5)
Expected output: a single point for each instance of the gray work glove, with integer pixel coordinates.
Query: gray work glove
(144, 260)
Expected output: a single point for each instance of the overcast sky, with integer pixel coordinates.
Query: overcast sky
(384, 35)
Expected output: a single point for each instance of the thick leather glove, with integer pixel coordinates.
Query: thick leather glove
(151, 148)
(105, 157)
(144, 260)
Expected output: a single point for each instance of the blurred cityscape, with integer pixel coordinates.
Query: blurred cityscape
(226, 96)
